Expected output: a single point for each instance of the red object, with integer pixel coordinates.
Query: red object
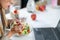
(15, 11)
(19, 33)
(28, 31)
(19, 24)
(42, 8)
(33, 16)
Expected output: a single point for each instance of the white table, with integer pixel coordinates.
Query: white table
(46, 19)
(27, 37)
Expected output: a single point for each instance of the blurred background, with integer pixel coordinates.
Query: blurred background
(48, 33)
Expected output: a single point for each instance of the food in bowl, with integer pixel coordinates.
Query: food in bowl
(21, 28)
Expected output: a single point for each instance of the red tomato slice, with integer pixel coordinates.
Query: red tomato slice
(28, 31)
(15, 11)
(41, 8)
(33, 16)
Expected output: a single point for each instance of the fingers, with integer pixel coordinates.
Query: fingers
(10, 34)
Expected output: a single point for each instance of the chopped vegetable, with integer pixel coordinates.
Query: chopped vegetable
(24, 32)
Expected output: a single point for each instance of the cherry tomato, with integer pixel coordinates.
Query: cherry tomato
(42, 8)
(28, 31)
(15, 11)
(33, 16)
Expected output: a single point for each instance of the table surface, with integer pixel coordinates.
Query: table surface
(26, 37)
(46, 19)
(49, 18)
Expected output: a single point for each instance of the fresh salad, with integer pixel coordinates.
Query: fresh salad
(24, 28)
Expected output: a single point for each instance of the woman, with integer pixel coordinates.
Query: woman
(4, 5)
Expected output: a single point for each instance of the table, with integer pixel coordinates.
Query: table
(46, 19)
(26, 37)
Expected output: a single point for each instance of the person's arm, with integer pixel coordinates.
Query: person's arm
(3, 18)
(13, 31)
(10, 34)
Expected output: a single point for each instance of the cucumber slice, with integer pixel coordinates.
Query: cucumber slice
(24, 32)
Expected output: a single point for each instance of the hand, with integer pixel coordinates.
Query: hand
(15, 29)
(12, 32)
